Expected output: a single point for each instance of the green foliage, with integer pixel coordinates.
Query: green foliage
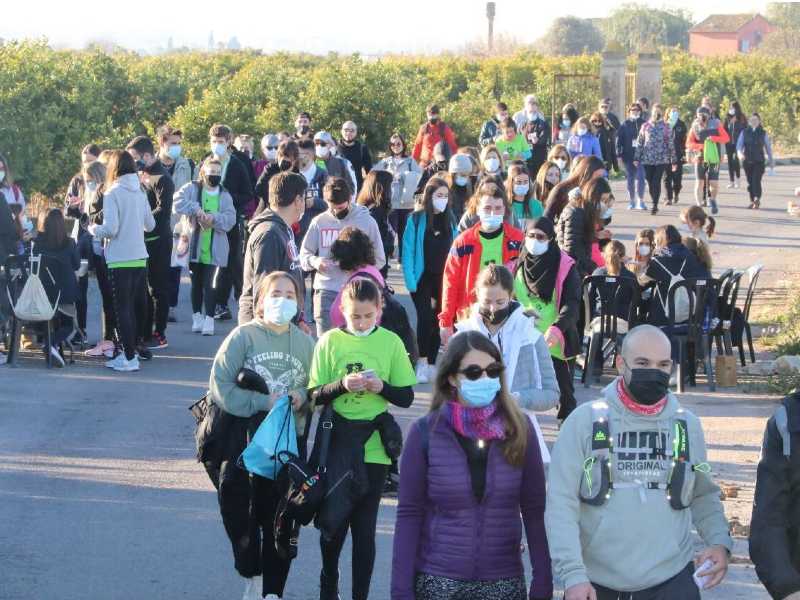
(53, 102)
(569, 36)
(637, 27)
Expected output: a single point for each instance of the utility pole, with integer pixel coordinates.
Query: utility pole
(490, 12)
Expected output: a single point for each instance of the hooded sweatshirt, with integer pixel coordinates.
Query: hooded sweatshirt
(323, 231)
(283, 360)
(270, 247)
(635, 540)
(529, 369)
(126, 216)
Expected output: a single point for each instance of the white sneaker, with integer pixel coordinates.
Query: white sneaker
(208, 326)
(271, 597)
(730, 185)
(117, 360)
(197, 322)
(127, 366)
(58, 360)
(422, 372)
(640, 204)
(252, 588)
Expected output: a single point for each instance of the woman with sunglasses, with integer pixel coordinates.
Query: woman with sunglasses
(405, 177)
(529, 370)
(470, 468)
(558, 154)
(547, 285)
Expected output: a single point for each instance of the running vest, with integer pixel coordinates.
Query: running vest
(754, 144)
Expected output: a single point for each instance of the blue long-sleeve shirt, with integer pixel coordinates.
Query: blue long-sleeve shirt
(584, 145)
(767, 147)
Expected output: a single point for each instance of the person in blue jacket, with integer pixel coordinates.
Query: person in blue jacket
(627, 136)
(583, 142)
(429, 233)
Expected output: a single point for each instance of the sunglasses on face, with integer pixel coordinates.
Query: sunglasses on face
(474, 372)
(541, 237)
(393, 144)
(318, 143)
(271, 147)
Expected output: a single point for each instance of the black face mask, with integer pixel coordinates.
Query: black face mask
(433, 120)
(140, 166)
(214, 180)
(496, 317)
(341, 214)
(647, 386)
(303, 130)
(285, 165)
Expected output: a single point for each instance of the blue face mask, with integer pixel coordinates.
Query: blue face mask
(520, 189)
(279, 311)
(491, 222)
(480, 392)
(174, 151)
(461, 180)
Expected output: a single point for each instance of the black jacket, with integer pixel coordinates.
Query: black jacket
(677, 259)
(679, 133)
(359, 156)
(160, 191)
(775, 525)
(262, 186)
(568, 311)
(58, 271)
(270, 247)
(381, 216)
(8, 232)
(247, 163)
(543, 134)
(571, 234)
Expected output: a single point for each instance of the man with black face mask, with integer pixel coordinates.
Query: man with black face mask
(430, 134)
(638, 462)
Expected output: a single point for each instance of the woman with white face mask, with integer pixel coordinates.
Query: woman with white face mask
(559, 156)
(643, 247)
(491, 161)
(548, 287)
(358, 369)
(277, 350)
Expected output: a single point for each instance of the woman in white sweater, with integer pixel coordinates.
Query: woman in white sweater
(126, 216)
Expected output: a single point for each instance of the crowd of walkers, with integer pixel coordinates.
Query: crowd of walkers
(493, 243)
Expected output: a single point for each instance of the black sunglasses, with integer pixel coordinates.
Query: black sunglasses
(474, 372)
(271, 147)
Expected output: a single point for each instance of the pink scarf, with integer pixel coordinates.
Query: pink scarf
(483, 423)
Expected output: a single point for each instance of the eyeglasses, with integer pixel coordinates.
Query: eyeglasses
(541, 237)
(393, 144)
(597, 124)
(270, 147)
(474, 372)
(320, 143)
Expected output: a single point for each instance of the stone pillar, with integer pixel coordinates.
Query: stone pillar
(648, 77)
(612, 80)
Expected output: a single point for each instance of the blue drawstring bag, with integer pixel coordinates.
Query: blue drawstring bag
(276, 434)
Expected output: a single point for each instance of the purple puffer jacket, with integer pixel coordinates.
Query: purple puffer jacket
(441, 528)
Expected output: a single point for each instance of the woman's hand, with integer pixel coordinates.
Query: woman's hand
(354, 382)
(374, 384)
(551, 338)
(604, 234)
(297, 400)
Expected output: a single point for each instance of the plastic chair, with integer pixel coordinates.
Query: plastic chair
(752, 274)
(694, 333)
(607, 327)
(726, 302)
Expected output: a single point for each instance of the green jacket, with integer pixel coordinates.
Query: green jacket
(283, 360)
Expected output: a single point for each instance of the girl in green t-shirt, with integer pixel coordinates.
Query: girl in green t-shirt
(519, 187)
(360, 369)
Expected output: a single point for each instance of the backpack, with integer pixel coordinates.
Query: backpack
(33, 303)
(681, 296)
(710, 152)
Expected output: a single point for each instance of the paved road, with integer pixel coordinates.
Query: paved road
(100, 497)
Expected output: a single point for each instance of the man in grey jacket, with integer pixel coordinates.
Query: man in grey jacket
(315, 253)
(628, 482)
(271, 245)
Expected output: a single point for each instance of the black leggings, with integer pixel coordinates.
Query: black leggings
(733, 163)
(230, 276)
(362, 524)
(429, 290)
(109, 321)
(681, 586)
(158, 266)
(174, 285)
(673, 180)
(755, 173)
(81, 304)
(202, 288)
(128, 286)
(654, 174)
(564, 375)
(398, 218)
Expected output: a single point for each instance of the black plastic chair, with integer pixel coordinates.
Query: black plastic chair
(604, 329)
(693, 334)
(726, 302)
(752, 274)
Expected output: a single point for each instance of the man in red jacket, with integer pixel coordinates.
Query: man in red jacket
(492, 240)
(430, 134)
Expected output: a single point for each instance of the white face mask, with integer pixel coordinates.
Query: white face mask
(322, 151)
(561, 162)
(521, 189)
(2, 175)
(582, 131)
(279, 311)
(364, 333)
(271, 154)
(491, 164)
(219, 149)
(536, 247)
(644, 250)
(732, 112)
(440, 203)
(608, 212)
(91, 186)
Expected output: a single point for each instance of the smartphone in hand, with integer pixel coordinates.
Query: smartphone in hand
(369, 374)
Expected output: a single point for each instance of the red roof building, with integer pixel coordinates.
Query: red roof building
(727, 35)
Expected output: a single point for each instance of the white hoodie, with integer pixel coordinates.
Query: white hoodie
(126, 216)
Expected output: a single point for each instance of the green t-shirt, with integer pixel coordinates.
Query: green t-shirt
(339, 353)
(128, 264)
(491, 250)
(516, 148)
(534, 206)
(546, 312)
(210, 203)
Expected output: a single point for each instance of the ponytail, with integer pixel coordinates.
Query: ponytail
(711, 227)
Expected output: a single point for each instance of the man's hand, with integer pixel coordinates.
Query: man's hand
(374, 384)
(581, 591)
(445, 333)
(718, 555)
(604, 234)
(354, 382)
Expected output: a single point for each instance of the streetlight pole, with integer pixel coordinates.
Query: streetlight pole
(490, 12)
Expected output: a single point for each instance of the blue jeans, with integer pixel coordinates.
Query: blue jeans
(635, 180)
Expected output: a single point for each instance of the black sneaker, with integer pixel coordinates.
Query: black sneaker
(654, 210)
(144, 353)
(223, 313)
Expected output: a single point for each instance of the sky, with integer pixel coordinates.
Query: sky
(317, 26)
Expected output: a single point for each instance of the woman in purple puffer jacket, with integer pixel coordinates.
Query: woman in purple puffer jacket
(469, 469)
